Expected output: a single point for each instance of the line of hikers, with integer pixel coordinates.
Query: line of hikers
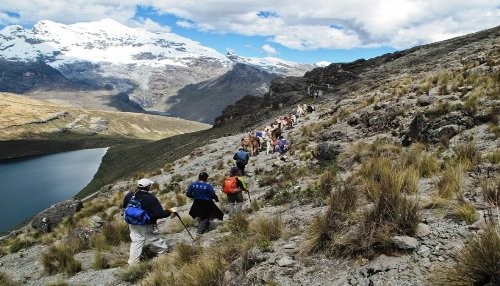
(143, 209)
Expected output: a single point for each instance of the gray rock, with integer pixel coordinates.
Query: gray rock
(47, 220)
(425, 100)
(327, 151)
(423, 230)
(424, 251)
(405, 242)
(285, 261)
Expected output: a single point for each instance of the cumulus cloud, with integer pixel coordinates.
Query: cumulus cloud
(303, 25)
(149, 25)
(269, 49)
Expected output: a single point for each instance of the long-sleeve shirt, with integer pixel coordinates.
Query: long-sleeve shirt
(149, 203)
(201, 191)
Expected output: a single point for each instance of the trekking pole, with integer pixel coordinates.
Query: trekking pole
(250, 199)
(177, 215)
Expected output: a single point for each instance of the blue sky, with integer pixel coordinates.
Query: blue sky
(302, 31)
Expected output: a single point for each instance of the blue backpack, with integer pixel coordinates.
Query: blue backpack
(134, 214)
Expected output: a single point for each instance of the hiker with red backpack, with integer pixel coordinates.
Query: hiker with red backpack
(233, 187)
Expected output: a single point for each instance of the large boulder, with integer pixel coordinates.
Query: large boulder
(48, 219)
(326, 151)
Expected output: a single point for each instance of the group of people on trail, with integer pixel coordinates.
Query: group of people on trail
(143, 209)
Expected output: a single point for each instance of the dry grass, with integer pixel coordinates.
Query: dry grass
(7, 281)
(450, 182)
(321, 234)
(136, 272)
(492, 157)
(467, 155)
(59, 258)
(467, 212)
(111, 234)
(327, 181)
(265, 228)
(478, 262)
(238, 224)
(176, 226)
(491, 190)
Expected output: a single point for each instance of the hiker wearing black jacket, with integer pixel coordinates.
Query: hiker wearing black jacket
(149, 231)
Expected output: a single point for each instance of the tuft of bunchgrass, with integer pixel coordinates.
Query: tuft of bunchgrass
(238, 224)
(477, 263)
(186, 253)
(467, 155)
(135, 272)
(20, 242)
(450, 182)
(321, 234)
(467, 212)
(492, 157)
(207, 270)
(5, 280)
(267, 228)
(327, 181)
(100, 261)
(60, 258)
(111, 234)
(491, 191)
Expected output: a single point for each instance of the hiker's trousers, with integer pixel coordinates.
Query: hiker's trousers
(139, 234)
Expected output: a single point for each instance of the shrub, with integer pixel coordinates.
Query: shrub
(7, 281)
(450, 182)
(478, 262)
(59, 258)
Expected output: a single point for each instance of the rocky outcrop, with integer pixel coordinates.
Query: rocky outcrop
(47, 220)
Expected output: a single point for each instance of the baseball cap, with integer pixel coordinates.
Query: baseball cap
(144, 182)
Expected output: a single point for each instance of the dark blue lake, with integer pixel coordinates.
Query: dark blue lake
(28, 186)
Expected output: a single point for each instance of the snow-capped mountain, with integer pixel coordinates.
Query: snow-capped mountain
(148, 67)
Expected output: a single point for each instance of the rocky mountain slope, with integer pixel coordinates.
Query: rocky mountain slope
(131, 66)
(393, 180)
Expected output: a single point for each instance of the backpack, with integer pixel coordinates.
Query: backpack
(242, 156)
(134, 214)
(230, 185)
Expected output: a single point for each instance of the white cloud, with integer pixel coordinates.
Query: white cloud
(149, 25)
(304, 25)
(269, 49)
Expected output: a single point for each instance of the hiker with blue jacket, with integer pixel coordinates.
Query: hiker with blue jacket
(203, 206)
(149, 230)
(241, 157)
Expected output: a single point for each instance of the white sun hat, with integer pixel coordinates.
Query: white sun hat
(144, 183)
